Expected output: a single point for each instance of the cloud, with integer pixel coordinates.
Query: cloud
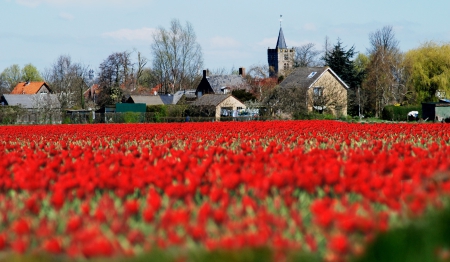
(224, 42)
(142, 34)
(66, 16)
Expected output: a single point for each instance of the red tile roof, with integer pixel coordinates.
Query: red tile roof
(28, 88)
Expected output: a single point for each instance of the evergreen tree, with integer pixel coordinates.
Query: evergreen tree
(340, 61)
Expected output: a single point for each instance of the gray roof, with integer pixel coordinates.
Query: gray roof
(305, 77)
(210, 99)
(188, 93)
(218, 82)
(33, 101)
(281, 43)
(153, 100)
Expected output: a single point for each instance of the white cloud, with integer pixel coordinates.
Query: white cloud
(224, 42)
(66, 16)
(142, 34)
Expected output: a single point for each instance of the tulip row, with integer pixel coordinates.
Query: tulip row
(316, 186)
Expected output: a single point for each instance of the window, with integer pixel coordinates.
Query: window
(286, 57)
(318, 91)
(312, 74)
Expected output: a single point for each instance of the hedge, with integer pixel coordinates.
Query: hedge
(400, 113)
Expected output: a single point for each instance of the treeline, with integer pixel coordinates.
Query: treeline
(384, 75)
(379, 77)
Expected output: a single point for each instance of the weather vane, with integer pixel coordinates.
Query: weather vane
(281, 19)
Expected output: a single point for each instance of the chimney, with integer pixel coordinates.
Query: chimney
(242, 71)
(204, 73)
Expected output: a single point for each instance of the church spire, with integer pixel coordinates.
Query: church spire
(281, 43)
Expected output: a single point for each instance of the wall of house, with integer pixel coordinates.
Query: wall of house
(230, 102)
(43, 89)
(278, 58)
(333, 92)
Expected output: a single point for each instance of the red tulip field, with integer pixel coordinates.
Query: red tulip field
(118, 190)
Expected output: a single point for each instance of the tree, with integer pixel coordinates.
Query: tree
(147, 78)
(340, 61)
(306, 56)
(259, 81)
(177, 57)
(385, 81)
(10, 77)
(68, 81)
(287, 101)
(30, 73)
(116, 77)
(428, 70)
(360, 98)
(242, 95)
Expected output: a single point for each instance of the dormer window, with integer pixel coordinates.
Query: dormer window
(312, 74)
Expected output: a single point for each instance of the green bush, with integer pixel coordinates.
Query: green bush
(399, 113)
(426, 239)
(67, 120)
(132, 117)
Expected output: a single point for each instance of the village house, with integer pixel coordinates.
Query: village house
(218, 105)
(31, 88)
(221, 84)
(324, 90)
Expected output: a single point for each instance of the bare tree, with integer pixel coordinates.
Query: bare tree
(307, 56)
(259, 81)
(116, 77)
(68, 81)
(142, 61)
(385, 82)
(47, 107)
(177, 57)
(286, 101)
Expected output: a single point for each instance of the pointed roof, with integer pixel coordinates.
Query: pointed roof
(28, 88)
(281, 43)
(306, 77)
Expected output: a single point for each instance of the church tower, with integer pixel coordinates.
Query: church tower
(281, 58)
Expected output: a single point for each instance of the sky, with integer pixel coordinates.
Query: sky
(232, 33)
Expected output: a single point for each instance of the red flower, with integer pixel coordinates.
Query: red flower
(73, 224)
(219, 216)
(2, 241)
(131, 207)
(32, 205)
(52, 245)
(98, 247)
(148, 215)
(58, 199)
(21, 227)
(339, 244)
(135, 237)
(19, 245)
(154, 200)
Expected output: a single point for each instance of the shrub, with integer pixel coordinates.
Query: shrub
(132, 117)
(399, 113)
